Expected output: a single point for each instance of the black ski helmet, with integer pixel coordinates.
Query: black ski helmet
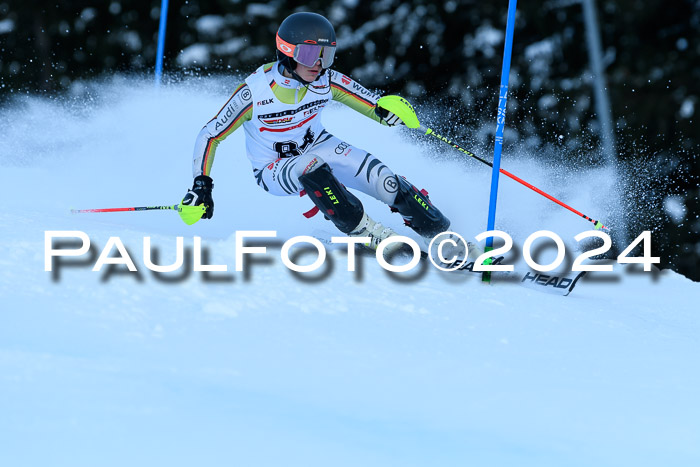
(300, 28)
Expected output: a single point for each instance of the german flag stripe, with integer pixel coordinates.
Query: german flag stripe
(352, 94)
(205, 161)
(242, 113)
(246, 109)
(240, 86)
(223, 134)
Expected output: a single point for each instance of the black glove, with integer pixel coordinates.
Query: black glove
(387, 117)
(201, 194)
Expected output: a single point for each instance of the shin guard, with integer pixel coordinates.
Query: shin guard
(343, 208)
(417, 210)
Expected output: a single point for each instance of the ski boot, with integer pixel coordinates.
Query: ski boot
(377, 233)
(344, 209)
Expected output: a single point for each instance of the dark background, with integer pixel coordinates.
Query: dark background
(444, 55)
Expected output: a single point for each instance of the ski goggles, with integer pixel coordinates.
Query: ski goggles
(308, 54)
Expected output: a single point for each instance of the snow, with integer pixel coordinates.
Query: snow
(351, 38)
(194, 54)
(487, 38)
(210, 24)
(332, 367)
(687, 107)
(230, 46)
(88, 14)
(261, 9)
(6, 26)
(132, 40)
(674, 207)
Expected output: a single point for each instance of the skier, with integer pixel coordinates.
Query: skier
(279, 107)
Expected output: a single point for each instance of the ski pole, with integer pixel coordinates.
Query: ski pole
(429, 131)
(404, 110)
(139, 208)
(188, 214)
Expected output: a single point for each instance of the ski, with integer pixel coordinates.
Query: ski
(556, 283)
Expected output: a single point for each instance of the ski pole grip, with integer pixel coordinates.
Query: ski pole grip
(401, 108)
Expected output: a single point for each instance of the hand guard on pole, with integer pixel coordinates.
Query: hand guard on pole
(387, 117)
(200, 194)
(398, 109)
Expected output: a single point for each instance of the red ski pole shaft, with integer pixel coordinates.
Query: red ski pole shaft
(429, 131)
(598, 224)
(137, 208)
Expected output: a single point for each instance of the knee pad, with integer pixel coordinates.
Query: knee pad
(343, 208)
(417, 211)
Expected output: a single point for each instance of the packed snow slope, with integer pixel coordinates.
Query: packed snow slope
(266, 367)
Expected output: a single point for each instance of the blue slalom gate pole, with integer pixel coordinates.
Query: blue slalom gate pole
(161, 41)
(501, 121)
